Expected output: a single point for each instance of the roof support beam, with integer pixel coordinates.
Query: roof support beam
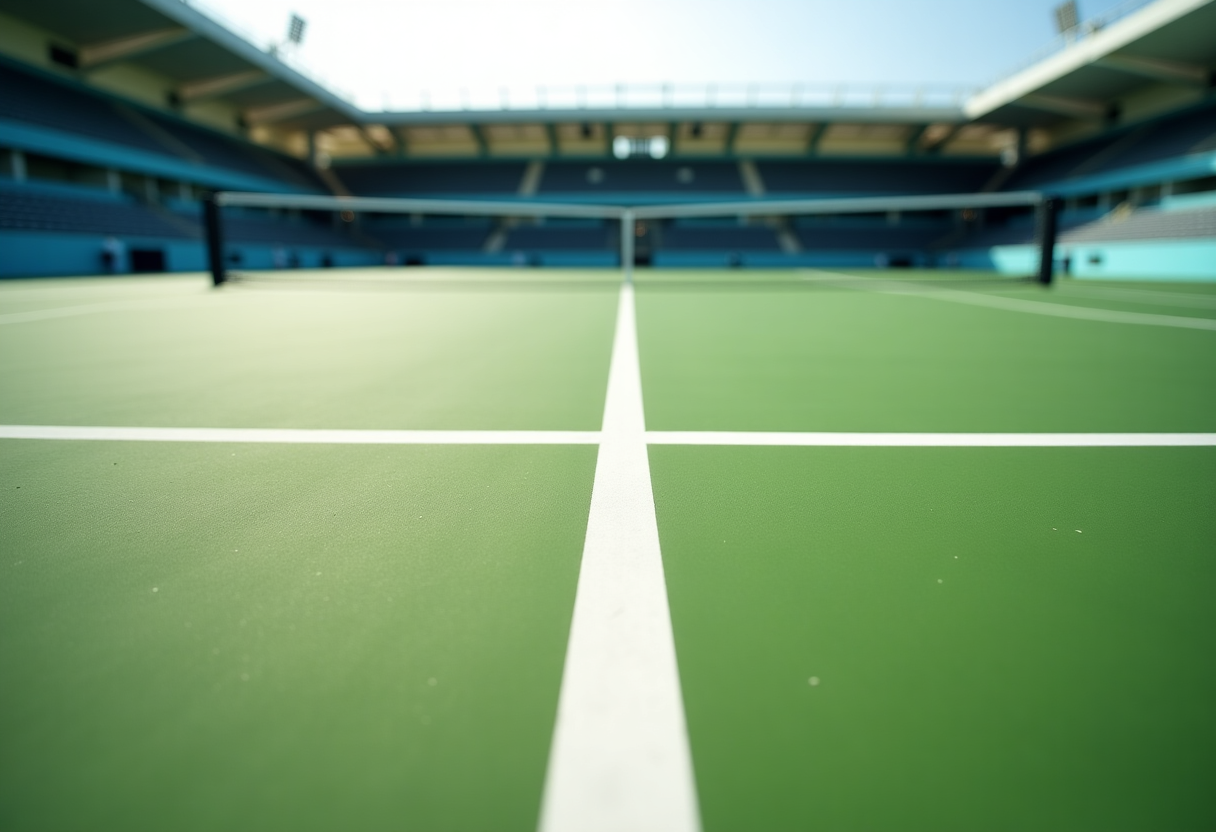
(551, 134)
(1172, 72)
(400, 141)
(279, 112)
(947, 137)
(732, 132)
(94, 55)
(479, 136)
(365, 134)
(817, 132)
(221, 85)
(1073, 107)
(913, 138)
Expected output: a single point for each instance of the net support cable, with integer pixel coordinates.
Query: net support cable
(1046, 208)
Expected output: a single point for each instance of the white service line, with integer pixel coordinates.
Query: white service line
(934, 440)
(1033, 307)
(294, 436)
(620, 759)
(1180, 300)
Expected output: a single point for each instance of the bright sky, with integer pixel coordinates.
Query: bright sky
(391, 52)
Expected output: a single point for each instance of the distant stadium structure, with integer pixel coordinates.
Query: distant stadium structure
(115, 121)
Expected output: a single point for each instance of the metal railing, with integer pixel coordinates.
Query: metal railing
(672, 96)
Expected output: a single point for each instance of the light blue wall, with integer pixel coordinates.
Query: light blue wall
(1186, 260)
(1188, 202)
(1158, 260)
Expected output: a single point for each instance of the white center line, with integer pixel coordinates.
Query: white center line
(620, 759)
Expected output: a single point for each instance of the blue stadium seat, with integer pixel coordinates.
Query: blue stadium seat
(719, 238)
(640, 176)
(25, 211)
(561, 238)
(1193, 131)
(830, 177)
(40, 99)
(37, 99)
(402, 179)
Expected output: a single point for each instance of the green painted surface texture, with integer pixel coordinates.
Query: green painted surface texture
(449, 353)
(782, 356)
(202, 637)
(981, 663)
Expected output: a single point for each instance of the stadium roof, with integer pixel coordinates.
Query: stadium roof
(1169, 42)
(203, 57)
(1156, 48)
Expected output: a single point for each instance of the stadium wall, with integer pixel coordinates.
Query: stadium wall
(1166, 260)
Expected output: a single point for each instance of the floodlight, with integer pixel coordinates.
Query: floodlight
(1066, 17)
(622, 147)
(295, 29)
(658, 146)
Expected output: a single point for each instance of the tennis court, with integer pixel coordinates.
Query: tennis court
(938, 552)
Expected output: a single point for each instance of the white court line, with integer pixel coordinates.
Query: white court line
(1034, 307)
(293, 436)
(620, 760)
(1180, 300)
(91, 308)
(934, 440)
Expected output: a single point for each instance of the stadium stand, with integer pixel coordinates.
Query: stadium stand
(436, 179)
(79, 163)
(609, 176)
(685, 236)
(317, 230)
(586, 236)
(33, 98)
(1125, 224)
(1175, 135)
(840, 236)
(431, 235)
(118, 215)
(217, 150)
(872, 177)
(1145, 224)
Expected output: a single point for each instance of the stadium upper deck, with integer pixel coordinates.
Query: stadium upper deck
(147, 102)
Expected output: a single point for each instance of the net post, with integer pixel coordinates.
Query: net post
(215, 238)
(627, 233)
(1047, 221)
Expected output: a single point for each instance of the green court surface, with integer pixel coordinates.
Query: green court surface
(998, 638)
(285, 636)
(799, 355)
(311, 353)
